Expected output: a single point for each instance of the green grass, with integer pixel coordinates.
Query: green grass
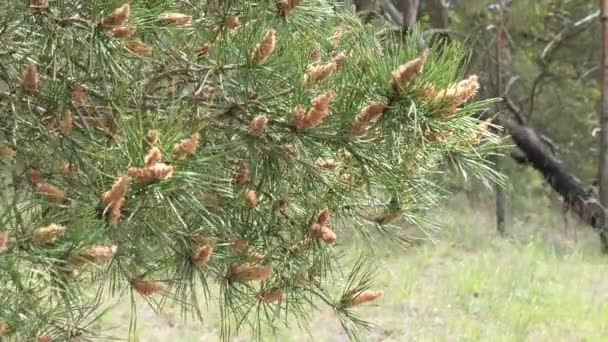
(542, 283)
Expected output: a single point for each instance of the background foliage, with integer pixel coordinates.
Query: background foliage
(551, 66)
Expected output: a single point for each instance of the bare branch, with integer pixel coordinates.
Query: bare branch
(565, 33)
(513, 108)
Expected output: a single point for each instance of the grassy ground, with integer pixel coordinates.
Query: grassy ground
(542, 283)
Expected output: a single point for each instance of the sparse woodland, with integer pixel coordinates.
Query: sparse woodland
(150, 149)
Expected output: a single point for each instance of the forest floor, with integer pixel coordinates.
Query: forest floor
(541, 283)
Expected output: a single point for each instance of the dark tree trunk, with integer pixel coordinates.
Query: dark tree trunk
(439, 18)
(603, 158)
(402, 12)
(501, 198)
(536, 153)
(501, 201)
(363, 5)
(438, 13)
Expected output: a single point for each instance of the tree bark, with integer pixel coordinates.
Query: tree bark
(363, 5)
(603, 158)
(438, 13)
(575, 194)
(501, 198)
(501, 201)
(401, 12)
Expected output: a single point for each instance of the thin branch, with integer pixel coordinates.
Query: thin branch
(150, 87)
(444, 30)
(510, 83)
(513, 108)
(587, 73)
(72, 21)
(535, 86)
(565, 33)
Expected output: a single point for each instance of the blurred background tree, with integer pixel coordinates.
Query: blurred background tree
(549, 77)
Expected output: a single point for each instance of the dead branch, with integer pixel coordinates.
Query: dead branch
(536, 153)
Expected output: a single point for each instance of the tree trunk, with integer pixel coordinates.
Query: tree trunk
(438, 13)
(501, 198)
(439, 18)
(603, 159)
(576, 196)
(362, 5)
(501, 201)
(401, 12)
